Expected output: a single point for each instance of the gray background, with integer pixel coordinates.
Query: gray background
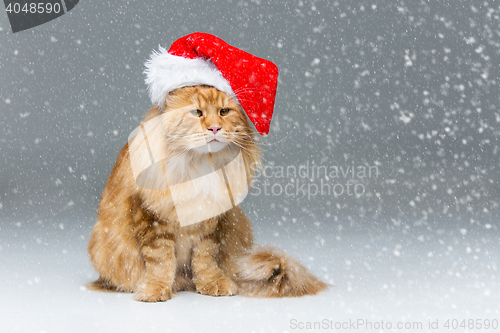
(410, 86)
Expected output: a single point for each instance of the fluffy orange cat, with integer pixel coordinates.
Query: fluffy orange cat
(138, 244)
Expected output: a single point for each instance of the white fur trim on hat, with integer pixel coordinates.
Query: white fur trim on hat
(166, 72)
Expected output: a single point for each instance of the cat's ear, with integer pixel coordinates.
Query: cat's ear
(168, 99)
(176, 91)
(171, 94)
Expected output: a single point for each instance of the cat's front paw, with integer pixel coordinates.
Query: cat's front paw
(222, 286)
(153, 292)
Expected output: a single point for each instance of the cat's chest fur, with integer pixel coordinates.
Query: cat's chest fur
(198, 189)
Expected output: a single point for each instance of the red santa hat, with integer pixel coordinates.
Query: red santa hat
(201, 58)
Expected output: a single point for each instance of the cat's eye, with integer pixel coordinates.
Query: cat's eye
(197, 113)
(223, 112)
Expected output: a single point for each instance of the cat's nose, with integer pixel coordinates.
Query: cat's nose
(214, 129)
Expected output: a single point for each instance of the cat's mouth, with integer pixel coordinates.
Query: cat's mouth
(212, 146)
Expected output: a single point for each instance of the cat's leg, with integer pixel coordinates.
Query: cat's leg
(158, 252)
(235, 233)
(115, 254)
(207, 276)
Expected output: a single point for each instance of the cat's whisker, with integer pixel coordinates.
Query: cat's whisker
(244, 139)
(246, 135)
(239, 135)
(276, 142)
(261, 150)
(241, 141)
(241, 146)
(183, 135)
(249, 141)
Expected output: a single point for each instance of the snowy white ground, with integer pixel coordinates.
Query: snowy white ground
(378, 273)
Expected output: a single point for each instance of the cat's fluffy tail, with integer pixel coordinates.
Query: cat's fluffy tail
(268, 272)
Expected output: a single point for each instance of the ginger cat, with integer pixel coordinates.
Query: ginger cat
(138, 244)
